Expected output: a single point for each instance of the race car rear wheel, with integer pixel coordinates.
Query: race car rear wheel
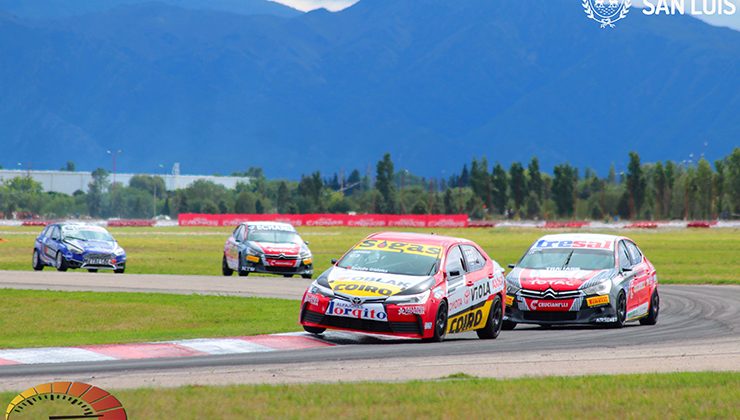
(306, 276)
(36, 261)
(494, 322)
(61, 263)
(287, 276)
(225, 270)
(621, 310)
(508, 325)
(440, 323)
(652, 317)
(120, 270)
(92, 270)
(313, 330)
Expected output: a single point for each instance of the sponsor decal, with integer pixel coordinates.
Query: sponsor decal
(312, 299)
(438, 293)
(638, 311)
(597, 300)
(549, 305)
(481, 291)
(374, 312)
(253, 258)
(270, 226)
(281, 263)
(606, 319)
(427, 325)
(65, 400)
(537, 282)
(473, 319)
(401, 247)
(369, 285)
(543, 243)
(509, 300)
(411, 310)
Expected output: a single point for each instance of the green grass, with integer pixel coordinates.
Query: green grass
(33, 318)
(707, 256)
(658, 396)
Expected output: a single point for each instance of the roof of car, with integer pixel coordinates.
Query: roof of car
(429, 239)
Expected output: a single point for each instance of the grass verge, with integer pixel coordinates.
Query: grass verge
(32, 318)
(691, 256)
(675, 395)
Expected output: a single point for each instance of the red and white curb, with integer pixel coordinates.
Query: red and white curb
(178, 348)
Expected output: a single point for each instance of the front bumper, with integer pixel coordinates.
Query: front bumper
(408, 324)
(602, 314)
(259, 267)
(97, 262)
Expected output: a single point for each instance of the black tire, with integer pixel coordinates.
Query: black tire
(225, 270)
(621, 311)
(61, 263)
(241, 271)
(494, 323)
(440, 324)
(508, 325)
(120, 270)
(92, 270)
(287, 276)
(36, 262)
(314, 330)
(307, 276)
(652, 317)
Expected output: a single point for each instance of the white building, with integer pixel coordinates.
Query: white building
(69, 182)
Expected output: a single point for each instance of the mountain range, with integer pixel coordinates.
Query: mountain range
(434, 82)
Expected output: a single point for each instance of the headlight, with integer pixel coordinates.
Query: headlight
(599, 289)
(305, 254)
(511, 287)
(317, 289)
(119, 250)
(421, 298)
(74, 248)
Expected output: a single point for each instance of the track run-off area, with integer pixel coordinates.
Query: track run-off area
(698, 330)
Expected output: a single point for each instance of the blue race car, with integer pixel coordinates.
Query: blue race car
(71, 245)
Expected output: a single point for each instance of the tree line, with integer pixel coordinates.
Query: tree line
(645, 191)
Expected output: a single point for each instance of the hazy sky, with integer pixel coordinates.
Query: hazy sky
(334, 5)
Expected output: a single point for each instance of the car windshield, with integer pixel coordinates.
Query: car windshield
(567, 258)
(83, 234)
(378, 261)
(274, 236)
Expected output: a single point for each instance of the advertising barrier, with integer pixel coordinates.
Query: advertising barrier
(360, 220)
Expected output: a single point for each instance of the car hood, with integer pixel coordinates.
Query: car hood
(93, 246)
(557, 280)
(369, 284)
(288, 248)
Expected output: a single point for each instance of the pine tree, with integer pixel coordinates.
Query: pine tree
(384, 185)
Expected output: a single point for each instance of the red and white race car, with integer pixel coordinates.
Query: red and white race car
(266, 247)
(582, 279)
(408, 285)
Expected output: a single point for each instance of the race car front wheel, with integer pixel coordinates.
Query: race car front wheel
(61, 263)
(36, 261)
(225, 270)
(508, 325)
(120, 270)
(621, 310)
(313, 330)
(440, 323)
(494, 322)
(652, 317)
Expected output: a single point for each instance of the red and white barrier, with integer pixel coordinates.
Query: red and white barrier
(364, 220)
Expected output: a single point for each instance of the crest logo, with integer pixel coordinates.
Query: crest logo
(606, 12)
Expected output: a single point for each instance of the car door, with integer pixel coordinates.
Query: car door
(52, 243)
(232, 247)
(41, 243)
(477, 278)
(641, 280)
(625, 267)
(455, 275)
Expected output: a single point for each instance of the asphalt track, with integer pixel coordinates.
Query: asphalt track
(698, 329)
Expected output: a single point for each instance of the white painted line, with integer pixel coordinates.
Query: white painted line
(52, 355)
(222, 346)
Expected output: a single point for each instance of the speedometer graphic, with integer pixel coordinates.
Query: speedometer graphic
(65, 400)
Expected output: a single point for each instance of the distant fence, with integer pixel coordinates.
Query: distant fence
(359, 220)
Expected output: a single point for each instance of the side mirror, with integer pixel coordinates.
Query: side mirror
(334, 261)
(625, 269)
(511, 265)
(305, 242)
